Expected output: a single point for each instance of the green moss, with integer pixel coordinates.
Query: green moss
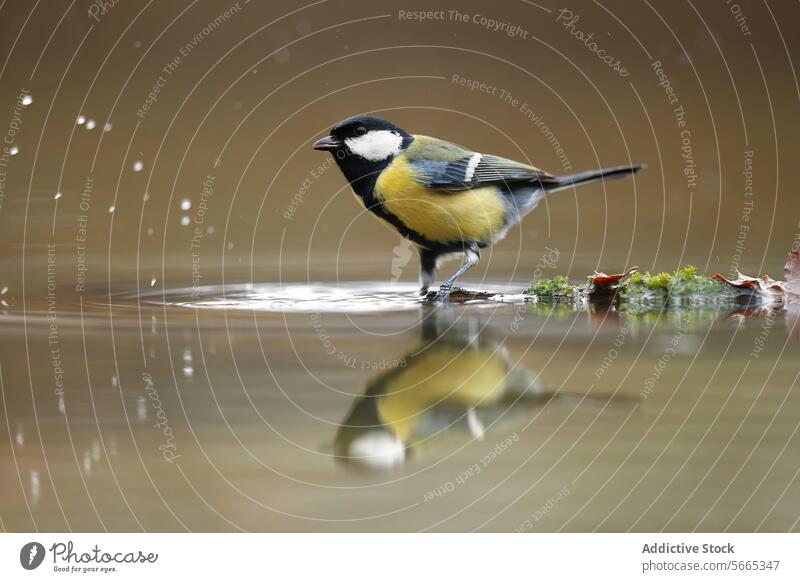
(660, 281)
(551, 288)
(635, 279)
(684, 287)
(683, 284)
(688, 273)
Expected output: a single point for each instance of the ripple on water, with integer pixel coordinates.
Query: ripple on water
(294, 297)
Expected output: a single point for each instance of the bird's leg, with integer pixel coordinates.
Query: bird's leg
(472, 255)
(427, 270)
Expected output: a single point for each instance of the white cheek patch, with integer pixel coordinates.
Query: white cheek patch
(375, 145)
(378, 449)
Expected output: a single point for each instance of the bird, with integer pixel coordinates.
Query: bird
(457, 381)
(444, 198)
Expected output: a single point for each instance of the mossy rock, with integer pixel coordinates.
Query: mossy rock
(685, 285)
(553, 289)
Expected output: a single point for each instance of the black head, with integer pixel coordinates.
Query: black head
(370, 138)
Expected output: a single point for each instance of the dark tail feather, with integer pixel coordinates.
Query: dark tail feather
(592, 175)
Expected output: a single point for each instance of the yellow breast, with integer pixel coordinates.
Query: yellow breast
(448, 374)
(440, 216)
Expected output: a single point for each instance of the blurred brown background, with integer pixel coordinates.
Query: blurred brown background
(255, 87)
(166, 144)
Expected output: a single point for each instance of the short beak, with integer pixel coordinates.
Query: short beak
(327, 143)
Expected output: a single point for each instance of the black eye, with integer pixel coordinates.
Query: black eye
(361, 130)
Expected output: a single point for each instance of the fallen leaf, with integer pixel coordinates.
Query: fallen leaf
(600, 282)
(766, 285)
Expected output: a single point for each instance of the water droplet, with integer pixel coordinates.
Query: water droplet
(4, 290)
(138, 166)
(36, 489)
(26, 100)
(150, 231)
(57, 195)
(188, 371)
(282, 56)
(303, 27)
(107, 127)
(90, 124)
(80, 120)
(187, 354)
(111, 209)
(114, 381)
(146, 196)
(13, 150)
(230, 245)
(185, 221)
(210, 230)
(137, 43)
(153, 282)
(186, 204)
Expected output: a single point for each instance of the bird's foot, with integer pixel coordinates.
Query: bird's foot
(444, 293)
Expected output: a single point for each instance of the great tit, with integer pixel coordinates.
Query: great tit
(443, 197)
(455, 382)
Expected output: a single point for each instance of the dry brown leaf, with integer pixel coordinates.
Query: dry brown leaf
(765, 285)
(602, 282)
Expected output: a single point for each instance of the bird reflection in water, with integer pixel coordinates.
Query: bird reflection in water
(457, 380)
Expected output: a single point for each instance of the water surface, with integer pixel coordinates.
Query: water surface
(302, 407)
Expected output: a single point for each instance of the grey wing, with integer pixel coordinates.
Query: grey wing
(475, 170)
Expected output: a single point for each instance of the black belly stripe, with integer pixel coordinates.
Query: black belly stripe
(363, 184)
(379, 210)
